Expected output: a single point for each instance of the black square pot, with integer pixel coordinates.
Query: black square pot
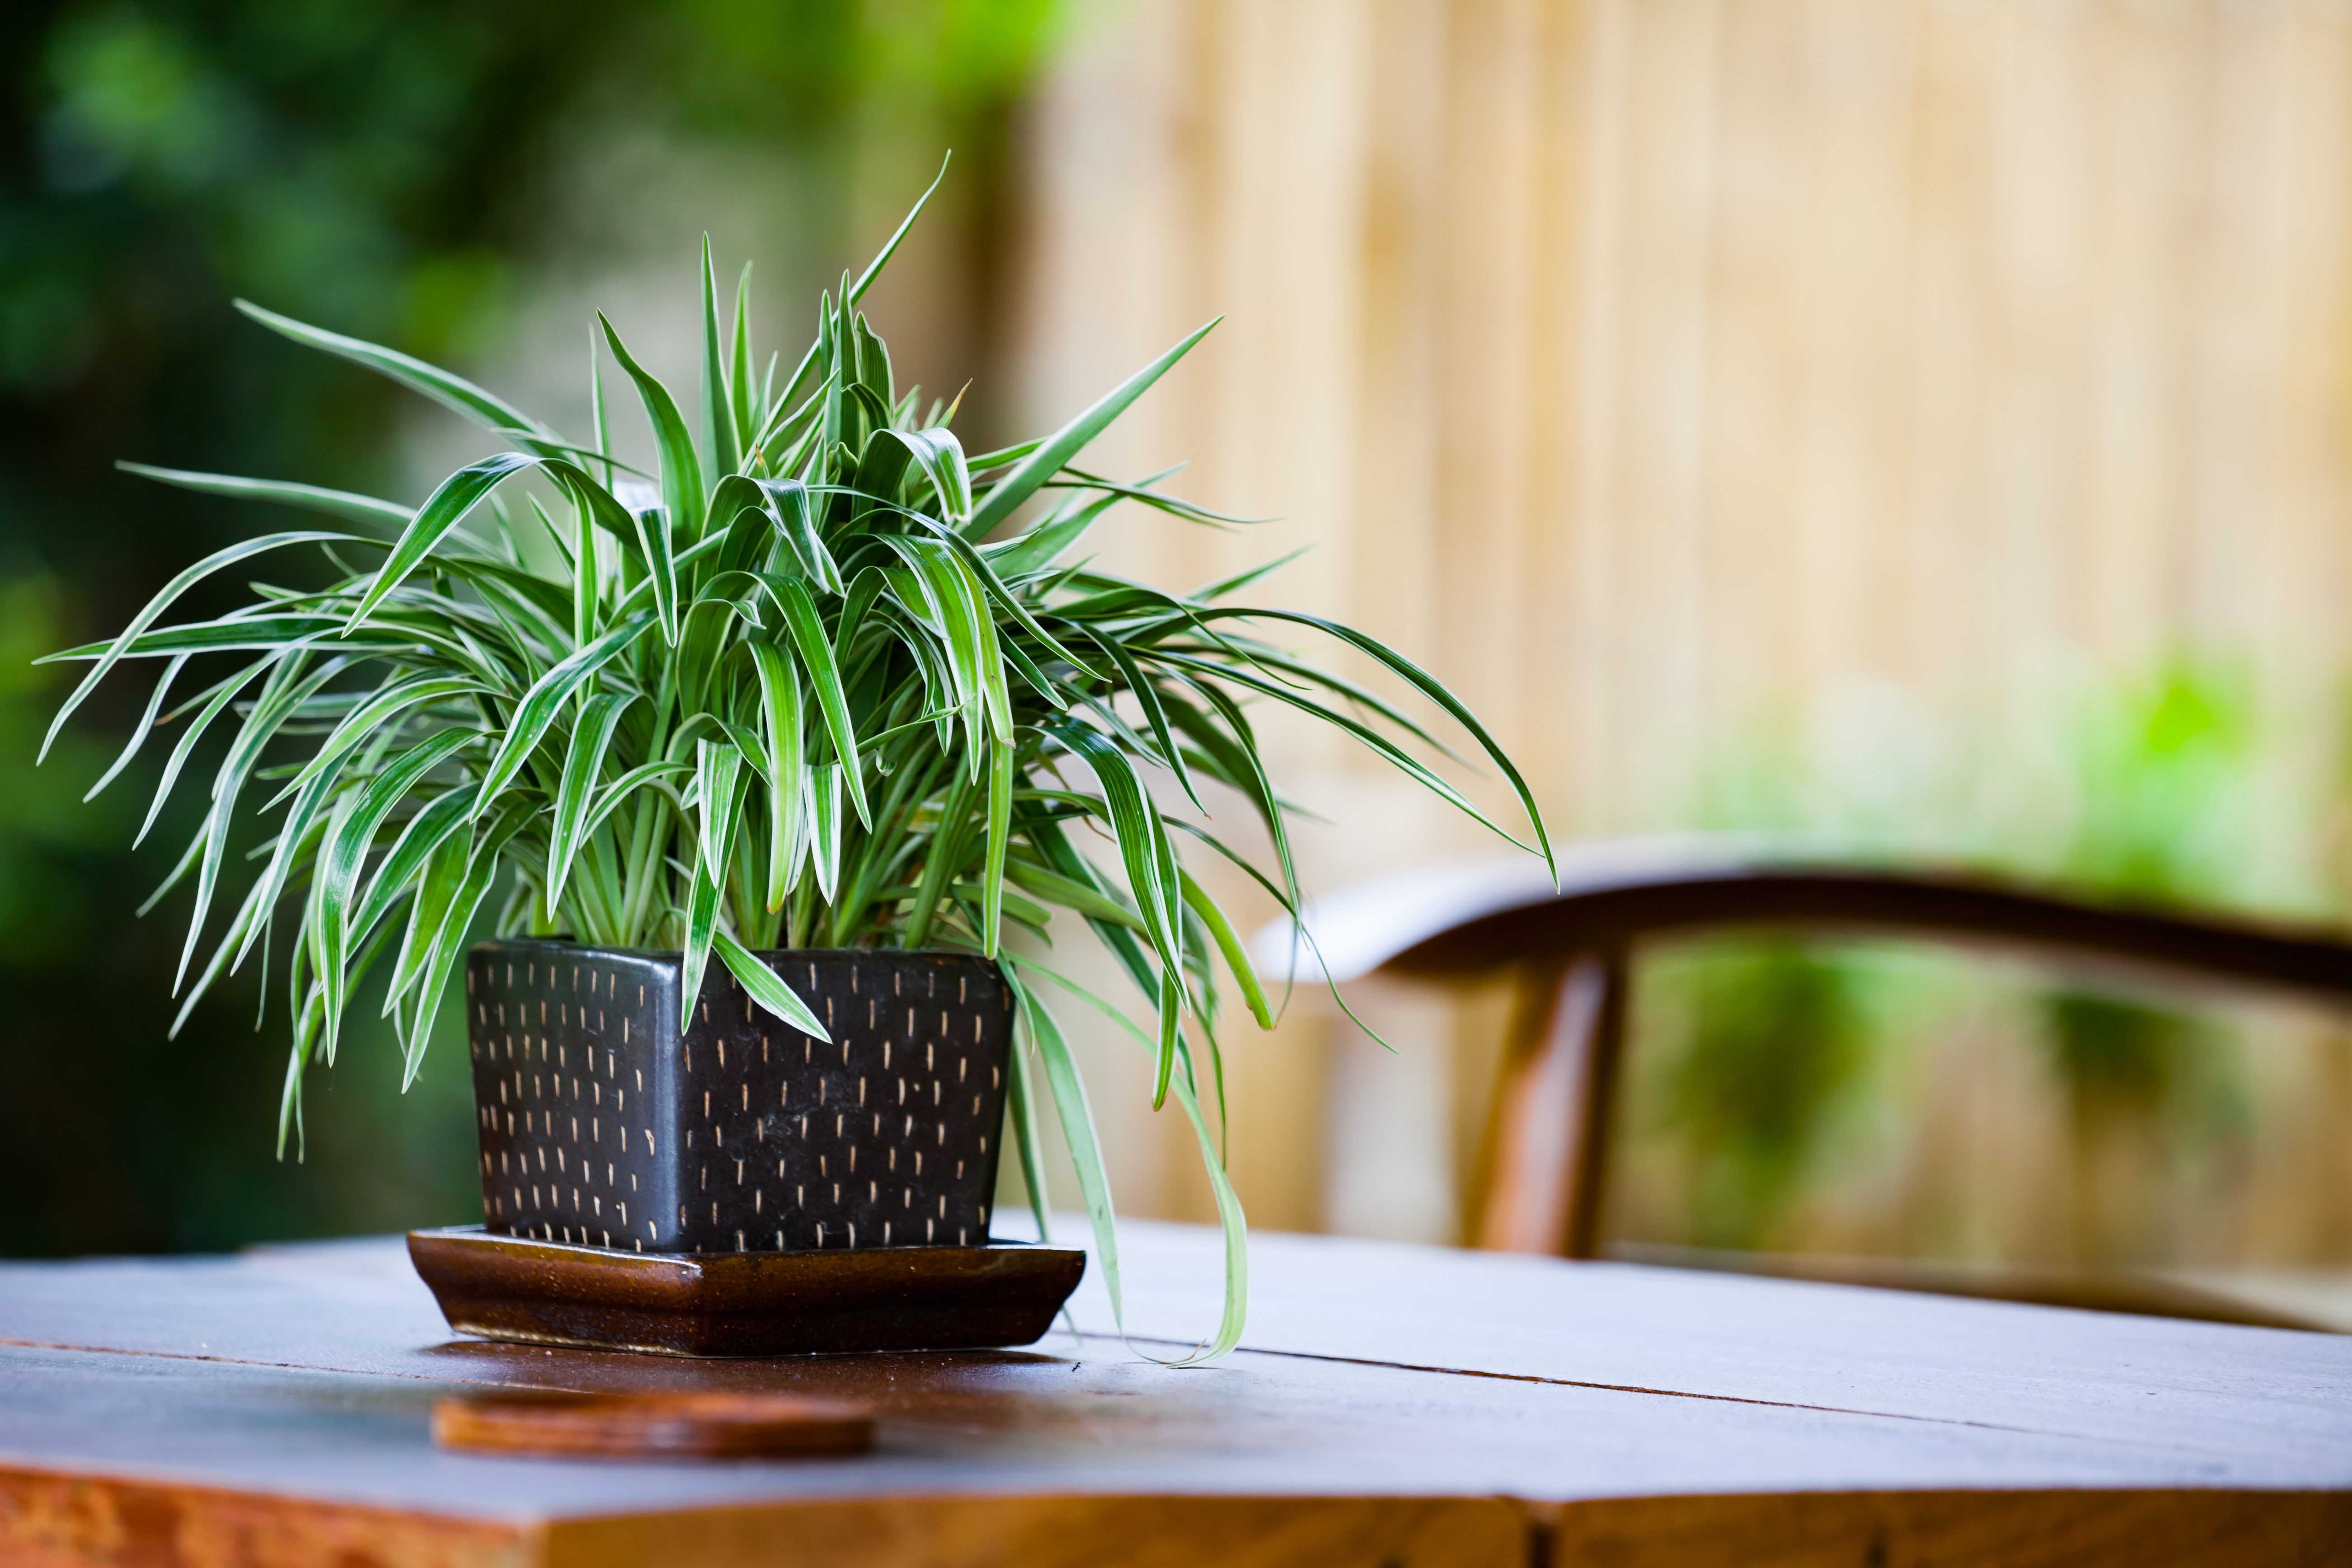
(602, 1124)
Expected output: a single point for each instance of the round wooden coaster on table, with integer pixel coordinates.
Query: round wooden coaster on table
(653, 1425)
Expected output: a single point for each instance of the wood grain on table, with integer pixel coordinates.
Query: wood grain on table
(1390, 1405)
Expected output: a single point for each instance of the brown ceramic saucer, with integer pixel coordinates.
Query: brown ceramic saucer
(744, 1303)
(653, 1425)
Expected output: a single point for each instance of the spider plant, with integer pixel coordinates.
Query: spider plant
(820, 679)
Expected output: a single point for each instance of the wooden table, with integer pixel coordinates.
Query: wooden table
(1392, 1405)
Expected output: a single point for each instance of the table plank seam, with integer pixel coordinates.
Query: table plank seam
(285, 1366)
(1687, 1393)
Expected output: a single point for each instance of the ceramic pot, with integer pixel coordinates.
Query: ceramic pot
(602, 1124)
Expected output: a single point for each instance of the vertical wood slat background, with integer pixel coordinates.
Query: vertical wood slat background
(1643, 365)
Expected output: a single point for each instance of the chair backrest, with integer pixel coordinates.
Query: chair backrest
(1544, 1157)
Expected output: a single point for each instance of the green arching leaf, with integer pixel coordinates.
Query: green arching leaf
(616, 794)
(1229, 1209)
(1235, 1226)
(873, 370)
(681, 471)
(999, 831)
(1149, 857)
(701, 928)
(1074, 896)
(718, 782)
(584, 764)
(745, 403)
(954, 598)
(1006, 496)
(1208, 593)
(154, 609)
(1069, 1090)
(874, 487)
(1155, 712)
(444, 509)
(853, 292)
(449, 940)
(219, 697)
(383, 708)
(795, 524)
(661, 571)
(281, 693)
(140, 731)
(977, 565)
(722, 451)
(1229, 942)
(587, 577)
(1021, 1110)
(452, 393)
(1172, 1033)
(780, 697)
(1430, 687)
(403, 864)
(597, 415)
(807, 633)
(1039, 547)
(351, 508)
(337, 877)
(824, 827)
(940, 456)
(545, 699)
(766, 987)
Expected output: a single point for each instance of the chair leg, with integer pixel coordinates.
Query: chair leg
(1546, 1154)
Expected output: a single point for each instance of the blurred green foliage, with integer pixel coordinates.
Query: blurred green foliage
(388, 168)
(2140, 789)
(1771, 1036)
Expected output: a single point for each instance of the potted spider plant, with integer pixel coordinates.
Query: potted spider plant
(749, 762)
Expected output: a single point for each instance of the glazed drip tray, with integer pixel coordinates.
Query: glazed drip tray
(744, 1303)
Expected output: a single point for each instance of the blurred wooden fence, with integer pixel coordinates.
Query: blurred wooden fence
(1645, 363)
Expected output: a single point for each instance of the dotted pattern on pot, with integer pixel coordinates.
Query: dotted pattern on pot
(599, 1124)
(573, 1103)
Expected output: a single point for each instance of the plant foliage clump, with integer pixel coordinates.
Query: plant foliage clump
(802, 686)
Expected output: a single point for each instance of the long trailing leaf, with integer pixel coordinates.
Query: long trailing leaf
(351, 508)
(722, 451)
(452, 393)
(718, 785)
(743, 402)
(144, 727)
(387, 705)
(449, 940)
(701, 931)
(1229, 943)
(808, 640)
(163, 600)
(681, 470)
(337, 877)
(405, 862)
(795, 524)
(584, 764)
(1000, 831)
(780, 704)
(1006, 496)
(1069, 1091)
(1430, 687)
(766, 987)
(545, 703)
(444, 509)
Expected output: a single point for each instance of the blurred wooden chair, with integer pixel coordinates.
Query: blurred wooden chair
(1543, 1163)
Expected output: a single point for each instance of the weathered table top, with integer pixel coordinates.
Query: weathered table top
(1390, 1405)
